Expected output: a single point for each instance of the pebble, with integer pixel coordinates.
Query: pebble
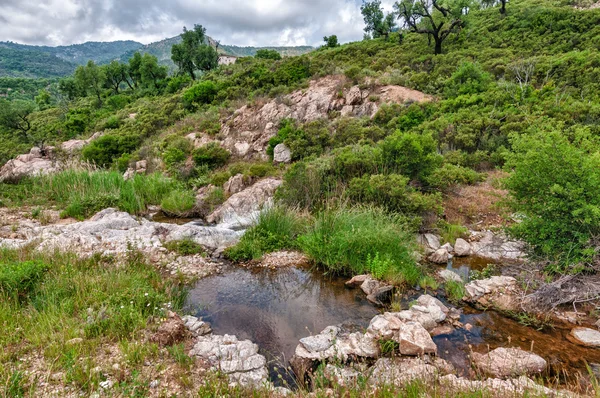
(105, 385)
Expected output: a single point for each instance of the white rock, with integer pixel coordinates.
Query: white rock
(505, 362)
(441, 256)
(462, 248)
(585, 337)
(282, 154)
(448, 276)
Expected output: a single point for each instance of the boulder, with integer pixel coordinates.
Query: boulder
(239, 360)
(506, 362)
(234, 185)
(242, 209)
(381, 295)
(450, 276)
(441, 256)
(430, 241)
(522, 386)
(196, 326)
(415, 340)
(282, 154)
(401, 371)
(497, 247)
(448, 247)
(499, 292)
(585, 337)
(462, 248)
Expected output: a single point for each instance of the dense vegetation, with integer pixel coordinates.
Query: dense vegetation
(504, 83)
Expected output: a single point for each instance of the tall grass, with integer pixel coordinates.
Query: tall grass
(277, 229)
(363, 239)
(83, 193)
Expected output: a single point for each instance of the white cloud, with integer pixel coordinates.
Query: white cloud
(239, 22)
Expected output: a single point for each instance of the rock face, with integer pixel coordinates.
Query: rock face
(499, 292)
(585, 337)
(507, 362)
(282, 154)
(114, 232)
(234, 185)
(239, 360)
(242, 209)
(247, 132)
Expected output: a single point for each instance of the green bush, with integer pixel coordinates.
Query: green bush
(310, 139)
(200, 93)
(411, 154)
(104, 150)
(19, 279)
(449, 175)
(268, 54)
(469, 78)
(277, 229)
(554, 186)
(343, 241)
(211, 155)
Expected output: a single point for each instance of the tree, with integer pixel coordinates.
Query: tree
(14, 115)
(134, 69)
(151, 73)
(435, 18)
(43, 100)
(116, 74)
(268, 54)
(90, 78)
(378, 23)
(192, 54)
(68, 86)
(492, 3)
(331, 41)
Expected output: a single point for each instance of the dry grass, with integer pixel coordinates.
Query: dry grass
(478, 206)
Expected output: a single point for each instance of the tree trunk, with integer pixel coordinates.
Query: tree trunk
(503, 7)
(438, 45)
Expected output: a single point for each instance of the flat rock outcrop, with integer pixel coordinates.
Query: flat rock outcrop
(508, 362)
(499, 292)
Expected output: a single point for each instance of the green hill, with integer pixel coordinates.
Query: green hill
(21, 62)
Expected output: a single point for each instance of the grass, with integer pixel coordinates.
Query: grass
(362, 239)
(455, 291)
(277, 229)
(83, 193)
(185, 247)
(179, 202)
(48, 299)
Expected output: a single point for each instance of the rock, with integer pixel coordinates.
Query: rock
(25, 166)
(358, 280)
(282, 259)
(381, 295)
(239, 360)
(75, 341)
(112, 232)
(522, 386)
(441, 256)
(505, 362)
(401, 371)
(354, 96)
(415, 340)
(499, 292)
(430, 241)
(496, 247)
(320, 342)
(106, 384)
(462, 248)
(243, 208)
(196, 325)
(234, 185)
(441, 330)
(170, 332)
(342, 376)
(585, 337)
(450, 276)
(448, 247)
(282, 154)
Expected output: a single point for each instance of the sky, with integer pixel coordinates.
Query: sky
(234, 22)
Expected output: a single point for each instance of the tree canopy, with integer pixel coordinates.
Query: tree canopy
(193, 54)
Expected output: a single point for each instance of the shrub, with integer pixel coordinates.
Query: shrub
(311, 139)
(343, 241)
(449, 175)
(19, 279)
(393, 192)
(268, 54)
(176, 83)
(200, 93)
(469, 78)
(277, 229)
(354, 73)
(211, 155)
(411, 154)
(185, 247)
(179, 202)
(554, 186)
(104, 150)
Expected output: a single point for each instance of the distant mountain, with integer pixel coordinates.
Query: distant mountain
(20, 60)
(32, 64)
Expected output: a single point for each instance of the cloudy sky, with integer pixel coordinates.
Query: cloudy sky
(240, 22)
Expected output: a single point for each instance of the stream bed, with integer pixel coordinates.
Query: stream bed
(275, 308)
